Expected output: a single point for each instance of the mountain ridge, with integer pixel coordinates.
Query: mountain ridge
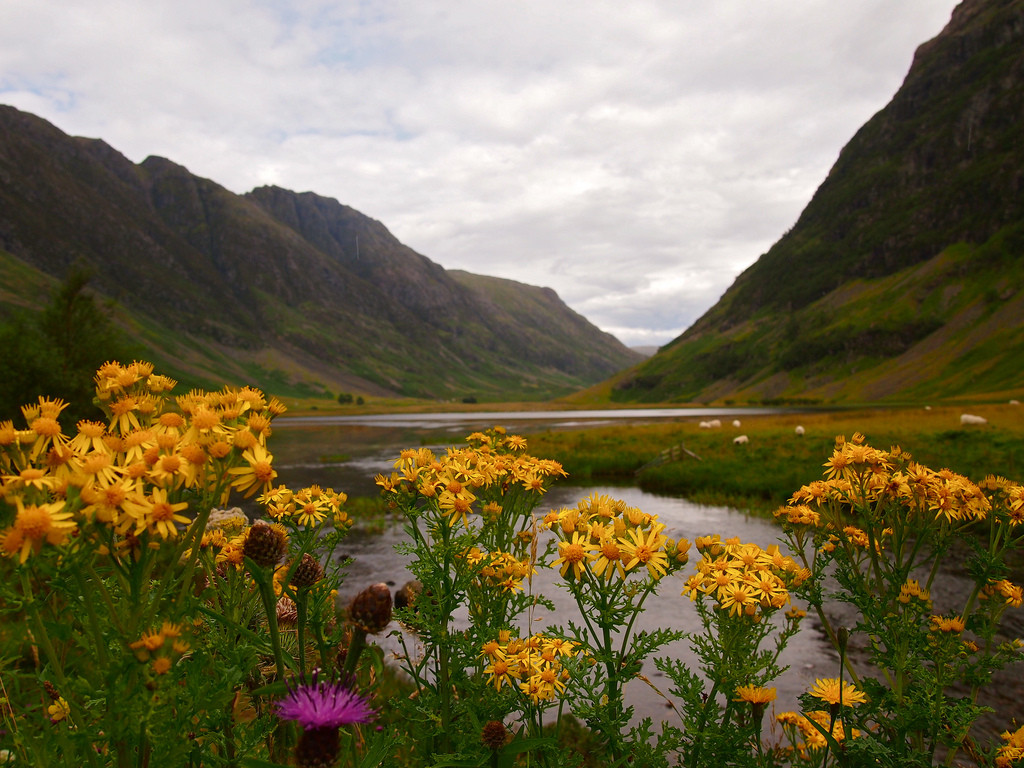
(274, 284)
(924, 210)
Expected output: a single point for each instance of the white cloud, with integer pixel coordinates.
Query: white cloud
(633, 156)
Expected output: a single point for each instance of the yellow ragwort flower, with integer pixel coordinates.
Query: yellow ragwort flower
(575, 554)
(835, 691)
(645, 549)
(755, 694)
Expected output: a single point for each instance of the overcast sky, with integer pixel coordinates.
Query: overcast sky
(633, 155)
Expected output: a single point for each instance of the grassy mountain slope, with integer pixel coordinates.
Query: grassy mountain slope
(274, 287)
(902, 277)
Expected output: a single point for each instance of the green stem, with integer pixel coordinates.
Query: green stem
(613, 692)
(300, 603)
(94, 623)
(40, 630)
(698, 744)
(444, 689)
(190, 544)
(266, 586)
(637, 610)
(834, 639)
(355, 650)
(104, 593)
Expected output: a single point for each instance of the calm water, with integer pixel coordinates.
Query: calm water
(552, 419)
(346, 452)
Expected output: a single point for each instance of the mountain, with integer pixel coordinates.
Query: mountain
(290, 291)
(903, 276)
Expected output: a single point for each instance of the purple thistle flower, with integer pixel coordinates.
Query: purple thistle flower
(324, 704)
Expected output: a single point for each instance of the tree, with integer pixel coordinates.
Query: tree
(57, 351)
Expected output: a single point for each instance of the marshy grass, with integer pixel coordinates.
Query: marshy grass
(762, 473)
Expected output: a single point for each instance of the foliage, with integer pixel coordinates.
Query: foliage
(761, 474)
(880, 524)
(872, 337)
(611, 557)
(211, 298)
(473, 537)
(144, 623)
(57, 351)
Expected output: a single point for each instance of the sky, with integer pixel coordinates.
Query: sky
(634, 156)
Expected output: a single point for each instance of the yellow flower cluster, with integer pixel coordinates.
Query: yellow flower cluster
(454, 482)
(307, 507)
(605, 539)
(1011, 496)
(161, 647)
(499, 569)
(743, 579)
(1012, 593)
(807, 730)
(1012, 752)
(953, 625)
(534, 665)
(912, 590)
(857, 473)
(132, 473)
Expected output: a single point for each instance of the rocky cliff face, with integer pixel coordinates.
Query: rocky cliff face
(296, 285)
(941, 165)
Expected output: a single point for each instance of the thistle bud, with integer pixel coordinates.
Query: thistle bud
(494, 734)
(265, 544)
(287, 611)
(307, 573)
(370, 610)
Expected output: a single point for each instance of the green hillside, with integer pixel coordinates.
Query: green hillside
(294, 292)
(902, 277)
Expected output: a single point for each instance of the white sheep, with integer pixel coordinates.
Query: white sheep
(704, 425)
(969, 418)
(1015, 402)
(715, 423)
(736, 423)
(741, 439)
(799, 430)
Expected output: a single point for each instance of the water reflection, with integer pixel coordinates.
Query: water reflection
(482, 419)
(344, 452)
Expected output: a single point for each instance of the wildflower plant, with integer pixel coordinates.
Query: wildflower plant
(140, 617)
(878, 525)
(611, 559)
(473, 544)
(145, 621)
(742, 596)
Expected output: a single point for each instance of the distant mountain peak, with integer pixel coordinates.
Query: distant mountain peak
(292, 289)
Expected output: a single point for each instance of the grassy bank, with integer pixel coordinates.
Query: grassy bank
(764, 472)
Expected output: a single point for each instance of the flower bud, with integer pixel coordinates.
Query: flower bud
(494, 734)
(370, 610)
(307, 573)
(265, 544)
(287, 611)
